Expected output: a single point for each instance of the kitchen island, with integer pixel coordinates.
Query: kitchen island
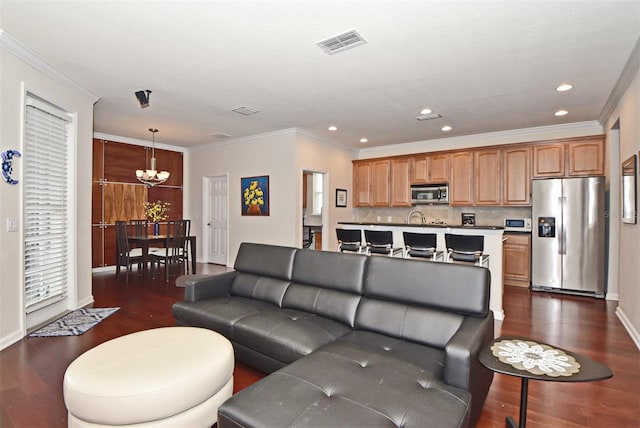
(493, 241)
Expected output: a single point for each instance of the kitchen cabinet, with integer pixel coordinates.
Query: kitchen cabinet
(361, 183)
(380, 183)
(488, 177)
(517, 259)
(430, 169)
(586, 157)
(548, 160)
(461, 177)
(400, 188)
(516, 181)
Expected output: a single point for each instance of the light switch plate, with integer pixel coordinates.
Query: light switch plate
(13, 225)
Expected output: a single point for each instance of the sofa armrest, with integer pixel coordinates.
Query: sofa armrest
(461, 365)
(206, 286)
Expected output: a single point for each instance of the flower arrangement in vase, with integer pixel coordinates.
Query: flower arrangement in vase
(157, 211)
(253, 198)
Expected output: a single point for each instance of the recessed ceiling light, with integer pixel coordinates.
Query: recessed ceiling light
(564, 87)
(333, 128)
(425, 111)
(364, 140)
(446, 128)
(561, 113)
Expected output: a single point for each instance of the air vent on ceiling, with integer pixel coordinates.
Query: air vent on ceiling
(245, 110)
(220, 135)
(341, 42)
(428, 116)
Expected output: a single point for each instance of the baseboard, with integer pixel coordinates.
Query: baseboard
(612, 296)
(635, 335)
(84, 302)
(10, 339)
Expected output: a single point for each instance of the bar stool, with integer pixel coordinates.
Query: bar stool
(466, 249)
(421, 245)
(380, 242)
(350, 240)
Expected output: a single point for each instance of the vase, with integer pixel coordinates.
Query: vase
(156, 229)
(253, 210)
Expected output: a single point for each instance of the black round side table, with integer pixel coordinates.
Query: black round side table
(528, 359)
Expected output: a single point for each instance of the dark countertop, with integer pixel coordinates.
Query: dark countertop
(418, 225)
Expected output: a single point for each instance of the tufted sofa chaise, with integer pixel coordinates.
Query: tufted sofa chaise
(352, 340)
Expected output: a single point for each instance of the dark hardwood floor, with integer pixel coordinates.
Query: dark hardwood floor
(31, 370)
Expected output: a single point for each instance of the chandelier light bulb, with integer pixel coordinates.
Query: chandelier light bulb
(151, 176)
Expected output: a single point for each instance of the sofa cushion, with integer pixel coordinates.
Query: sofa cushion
(337, 305)
(418, 324)
(327, 269)
(265, 260)
(448, 286)
(286, 334)
(263, 288)
(343, 385)
(218, 314)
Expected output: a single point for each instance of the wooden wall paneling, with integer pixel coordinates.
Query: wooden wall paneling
(124, 202)
(97, 156)
(170, 161)
(173, 195)
(109, 245)
(97, 247)
(96, 203)
(121, 161)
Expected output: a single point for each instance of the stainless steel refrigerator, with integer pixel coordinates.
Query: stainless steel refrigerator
(568, 240)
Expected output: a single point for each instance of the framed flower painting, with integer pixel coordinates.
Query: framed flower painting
(255, 195)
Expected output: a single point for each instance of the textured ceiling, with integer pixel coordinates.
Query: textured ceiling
(484, 66)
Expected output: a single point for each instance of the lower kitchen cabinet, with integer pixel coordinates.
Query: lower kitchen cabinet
(516, 264)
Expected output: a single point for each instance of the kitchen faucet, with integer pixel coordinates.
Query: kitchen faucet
(412, 212)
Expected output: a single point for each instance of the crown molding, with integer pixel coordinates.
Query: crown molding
(242, 140)
(626, 77)
(491, 138)
(327, 141)
(22, 52)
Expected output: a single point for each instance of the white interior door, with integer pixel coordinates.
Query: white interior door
(216, 220)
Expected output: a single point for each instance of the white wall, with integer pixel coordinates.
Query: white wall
(628, 265)
(314, 154)
(267, 154)
(18, 76)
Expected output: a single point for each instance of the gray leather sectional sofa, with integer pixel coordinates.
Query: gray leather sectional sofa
(352, 340)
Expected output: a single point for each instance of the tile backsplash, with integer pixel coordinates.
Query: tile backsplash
(485, 216)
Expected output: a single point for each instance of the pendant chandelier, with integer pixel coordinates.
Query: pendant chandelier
(152, 176)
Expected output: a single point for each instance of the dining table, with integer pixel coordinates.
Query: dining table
(145, 241)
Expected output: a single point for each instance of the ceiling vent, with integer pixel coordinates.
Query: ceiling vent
(341, 42)
(245, 110)
(428, 116)
(220, 135)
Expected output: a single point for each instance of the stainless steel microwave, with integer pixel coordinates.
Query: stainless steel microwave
(517, 224)
(430, 194)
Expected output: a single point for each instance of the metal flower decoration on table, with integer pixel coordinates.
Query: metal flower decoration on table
(535, 358)
(157, 211)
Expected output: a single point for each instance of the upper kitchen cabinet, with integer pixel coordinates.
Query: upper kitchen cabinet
(362, 183)
(488, 177)
(548, 160)
(461, 179)
(400, 188)
(586, 156)
(516, 182)
(430, 169)
(381, 182)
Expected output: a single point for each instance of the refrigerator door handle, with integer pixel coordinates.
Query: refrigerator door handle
(562, 247)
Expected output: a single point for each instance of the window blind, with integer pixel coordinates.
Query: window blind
(46, 252)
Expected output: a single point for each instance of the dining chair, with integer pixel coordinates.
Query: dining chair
(466, 249)
(421, 245)
(350, 240)
(187, 232)
(139, 227)
(125, 256)
(380, 242)
(172, 255)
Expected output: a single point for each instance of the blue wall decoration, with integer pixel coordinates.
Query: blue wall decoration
(7, 169)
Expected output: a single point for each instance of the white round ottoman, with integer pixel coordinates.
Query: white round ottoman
(172, 376)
